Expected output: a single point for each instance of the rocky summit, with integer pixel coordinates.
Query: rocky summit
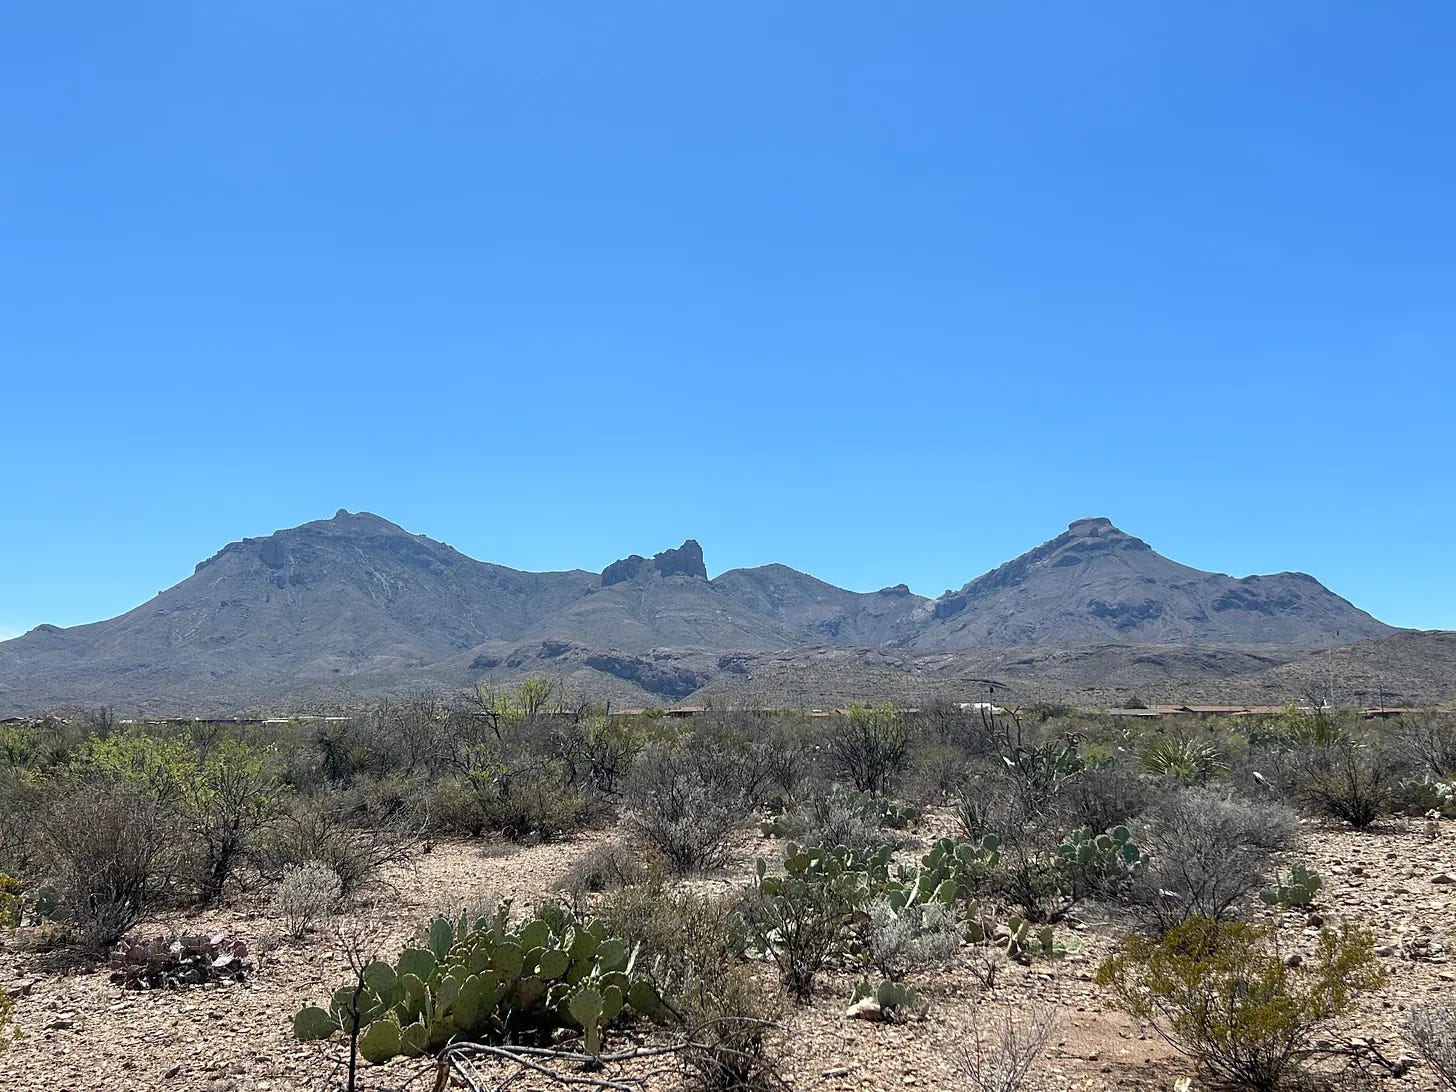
(355, 605)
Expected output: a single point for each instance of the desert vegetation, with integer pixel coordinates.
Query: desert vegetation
(520, 884)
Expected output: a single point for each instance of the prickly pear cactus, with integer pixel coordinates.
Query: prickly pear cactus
(487, 981)
(1296, 888)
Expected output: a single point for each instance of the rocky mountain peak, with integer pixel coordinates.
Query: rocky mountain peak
(686, 560)
(1096, 532)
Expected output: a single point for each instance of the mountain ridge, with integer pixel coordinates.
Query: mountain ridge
(357, 603)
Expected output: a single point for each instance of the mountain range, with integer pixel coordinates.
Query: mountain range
(354, 605)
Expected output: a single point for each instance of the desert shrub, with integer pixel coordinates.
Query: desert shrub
(1223, 993)
(106, 853)
(838, 816)
(22, 794)
(161, 768)
(799, 924)
(936, 773)
(900, 942)
(310, 830)
(1035, 763)
(1046, 877)
(1207, 851)
(10, 890)
(680, 935)
(603, 749)
(1351, 780)
(521, 798)
(986, 805)
(1000, 1052)
(728, 1021)
(1102, 796)
(306, 893)
(692, 947)
(604, 868)
(7, 1015)
(785, 758)
(1431, 1029)
(673, 806)
(1427, 742)
(1030, 877)
(396, 800)
(232, 801)
(869, 747)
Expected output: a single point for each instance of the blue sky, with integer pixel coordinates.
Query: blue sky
(883, 293)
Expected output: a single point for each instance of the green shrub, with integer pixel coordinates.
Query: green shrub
(798, 922)
(681, 936)
(692, 948)
(232, 801)
(521, 799)
(1222, 993)
(1348, 779)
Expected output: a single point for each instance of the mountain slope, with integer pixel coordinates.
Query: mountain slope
(1095, 583)
(354, 595)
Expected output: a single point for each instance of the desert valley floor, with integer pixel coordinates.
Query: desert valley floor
(81, 1033)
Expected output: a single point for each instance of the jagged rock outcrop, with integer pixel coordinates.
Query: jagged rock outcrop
(686, 560)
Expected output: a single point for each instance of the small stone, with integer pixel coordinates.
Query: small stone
(1443, 877)
(868, 1009)
(1293, 960)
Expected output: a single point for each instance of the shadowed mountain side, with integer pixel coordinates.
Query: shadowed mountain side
(820, 613)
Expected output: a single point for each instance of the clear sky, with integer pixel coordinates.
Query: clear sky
(883, 292)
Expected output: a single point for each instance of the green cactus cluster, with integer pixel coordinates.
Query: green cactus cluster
(489, 981)
(1296, 888)
(1101, 864)
(947, 874)
(897, 1000)
(1084, 848)
(1025, 941)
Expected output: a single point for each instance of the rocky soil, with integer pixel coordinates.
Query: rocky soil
(81, 1033)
